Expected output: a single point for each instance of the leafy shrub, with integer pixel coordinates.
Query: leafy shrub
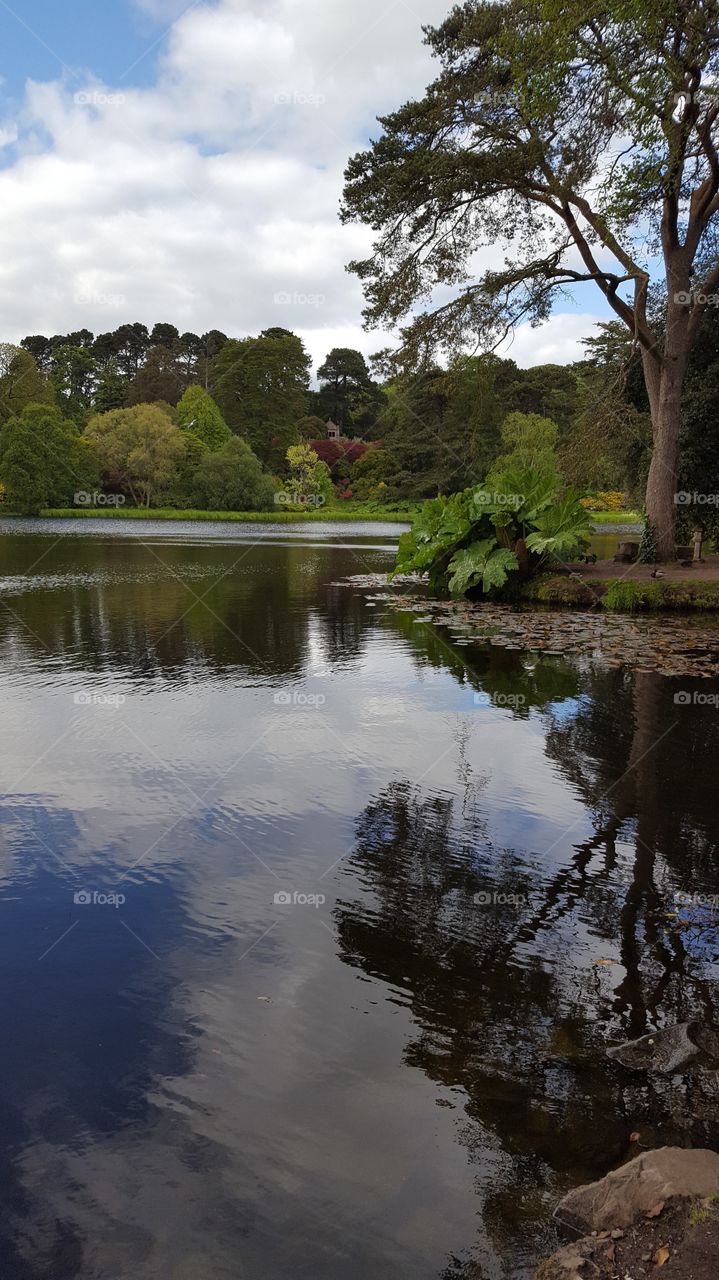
(606, 500)
(339, 455)
(370, 473)
(232, 479)
(519, 521)
(308, 477)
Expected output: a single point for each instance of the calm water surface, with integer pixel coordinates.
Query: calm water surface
(317, 920)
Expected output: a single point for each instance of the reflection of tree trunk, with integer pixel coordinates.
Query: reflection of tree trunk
(640, 780)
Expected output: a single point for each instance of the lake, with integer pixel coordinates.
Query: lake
(318, 920)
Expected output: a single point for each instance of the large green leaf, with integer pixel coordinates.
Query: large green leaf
(515, 496)
(440, 527)
(562, 530)
(484, 562)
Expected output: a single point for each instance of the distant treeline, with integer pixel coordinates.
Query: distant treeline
(434, 430)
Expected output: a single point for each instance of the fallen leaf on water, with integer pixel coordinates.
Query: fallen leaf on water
(661, 1256)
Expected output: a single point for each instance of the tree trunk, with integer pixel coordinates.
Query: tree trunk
(662, 479)
(664, 381)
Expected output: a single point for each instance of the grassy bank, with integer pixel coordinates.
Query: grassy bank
(621, 596)
(348, 512)
(616, 517)
(345, 513)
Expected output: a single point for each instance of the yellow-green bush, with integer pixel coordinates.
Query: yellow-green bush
(606, 500)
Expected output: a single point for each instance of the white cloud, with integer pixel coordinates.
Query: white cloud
(203, 198)
(558, 341)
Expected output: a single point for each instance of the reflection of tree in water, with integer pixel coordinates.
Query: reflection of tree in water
(484, 1011)
(643, 772)
(506, 1002)
(118, 606)
(498, 672)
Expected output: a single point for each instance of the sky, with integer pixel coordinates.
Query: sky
(160, 162)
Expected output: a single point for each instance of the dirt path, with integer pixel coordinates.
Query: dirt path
(702, 571)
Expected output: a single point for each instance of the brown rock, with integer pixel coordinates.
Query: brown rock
(573, 1262)
(627, 1194)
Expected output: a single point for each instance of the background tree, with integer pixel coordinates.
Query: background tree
(180, 492)
(44, 461)
(441, 427)
(105, 348)
(261, 386)
(160, 377)
(586, 142)
(40, 349)
(140, 448)
(73, 371)
(609, 445)
(609, 442)
(312, 427)
(308, 476)
(529, 441)
(411, 430)
(198, 414)
(110, 388)
(347, 393)
(131, 343)
(232, 479)
(550, 390)
(204, 354)
(699, 468)
(370, 473)
(22, 384)
(165, 335)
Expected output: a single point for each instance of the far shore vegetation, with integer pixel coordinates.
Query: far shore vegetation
(174, 423)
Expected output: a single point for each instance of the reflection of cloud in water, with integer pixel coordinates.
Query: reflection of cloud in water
(233, 1100)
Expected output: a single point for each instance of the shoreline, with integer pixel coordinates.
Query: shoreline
(219, 517)
(605, 522)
